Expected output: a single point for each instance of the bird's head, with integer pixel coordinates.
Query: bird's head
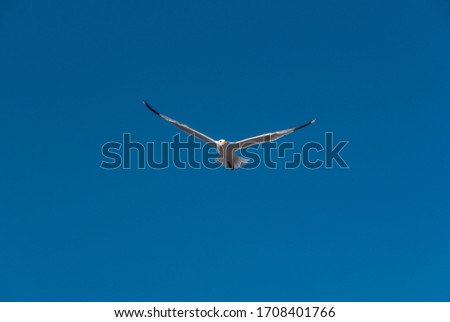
(223, 142)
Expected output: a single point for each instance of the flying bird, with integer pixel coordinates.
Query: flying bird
(227, 150)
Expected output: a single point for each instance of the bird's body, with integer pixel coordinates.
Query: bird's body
(228, 156)
(227, 150)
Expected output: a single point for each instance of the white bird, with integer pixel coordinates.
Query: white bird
(227, 150)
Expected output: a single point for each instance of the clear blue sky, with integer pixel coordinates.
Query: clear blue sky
(73, 74)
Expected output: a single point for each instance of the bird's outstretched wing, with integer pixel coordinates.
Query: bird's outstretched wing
(268, 137)
(183, 127)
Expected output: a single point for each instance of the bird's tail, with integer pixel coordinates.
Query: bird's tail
(238, 162)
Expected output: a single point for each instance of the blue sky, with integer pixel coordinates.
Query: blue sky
(73, 75)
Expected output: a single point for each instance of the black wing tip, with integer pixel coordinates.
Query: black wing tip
(151, 108)
(305, 125)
